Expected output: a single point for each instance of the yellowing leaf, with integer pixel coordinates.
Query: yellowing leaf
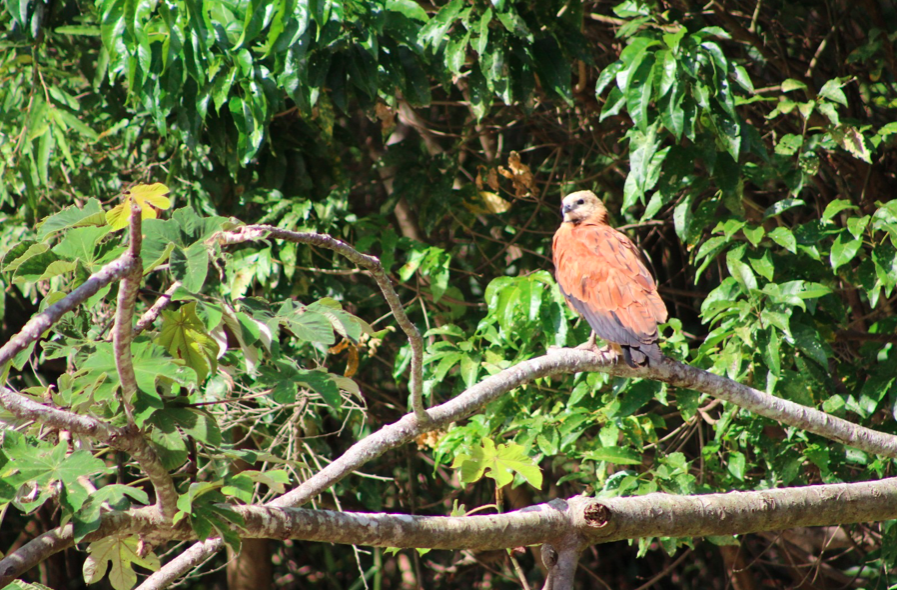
(148, 197)
(494, 203)
(184, 335)
(116, 555)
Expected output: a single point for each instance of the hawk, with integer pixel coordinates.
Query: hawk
(602, 276)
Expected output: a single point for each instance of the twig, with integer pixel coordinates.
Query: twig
(153, 312)
(251, 233)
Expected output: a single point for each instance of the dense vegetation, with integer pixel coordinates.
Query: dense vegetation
(747, 147)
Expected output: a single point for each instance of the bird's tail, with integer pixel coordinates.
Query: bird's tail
(638, 356)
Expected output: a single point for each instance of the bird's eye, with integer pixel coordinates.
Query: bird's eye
(580, 202)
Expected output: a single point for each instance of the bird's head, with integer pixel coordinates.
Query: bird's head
(581, 206)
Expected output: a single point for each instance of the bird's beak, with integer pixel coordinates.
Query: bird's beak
(566, 208)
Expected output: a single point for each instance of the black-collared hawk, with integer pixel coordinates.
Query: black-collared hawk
(602, 276)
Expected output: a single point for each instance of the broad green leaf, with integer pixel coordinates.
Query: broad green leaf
(852, 140)
(836, 207)
(781, 206)
(754, 234)
(190, 266)
(791, 84)
(844, 250)
(501, 462)
(184, 335)
(87, 519)
(832, 91)
(80, 243)
(323, 384)
(784, 238)
(117, 556)
(736, 465)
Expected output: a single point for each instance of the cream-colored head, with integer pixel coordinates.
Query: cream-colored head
(583, 206)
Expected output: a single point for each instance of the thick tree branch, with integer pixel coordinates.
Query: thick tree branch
(252, 233)
(769, 406)
(122, 335)
(567, 526)
(138, 521)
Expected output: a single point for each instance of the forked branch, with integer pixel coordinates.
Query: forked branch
(251, 233)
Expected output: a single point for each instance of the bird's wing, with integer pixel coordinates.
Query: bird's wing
(601, 274)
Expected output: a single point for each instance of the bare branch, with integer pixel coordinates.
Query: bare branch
(40, 323)
(561, 562)
(252, 233)
(153, 312)
(186, 561)
(769, 406)
(124, 314)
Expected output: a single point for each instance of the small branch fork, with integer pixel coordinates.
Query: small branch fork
(251, 233)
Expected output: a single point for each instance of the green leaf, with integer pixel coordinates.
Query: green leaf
(754, 234)
(781, 206)
(789, 144)
(184, 335)
(743, 79)
(80, 243)
(322, 383)
(852, 141)
(832, 91)
(791, 84)
(190, 266)
(736, 465)
(784, 238)
(501, 462)
(807, 340)
(310, 326)
(836, 207)
(615, 455)
(844, 250)
(118, 556)
(87, 519)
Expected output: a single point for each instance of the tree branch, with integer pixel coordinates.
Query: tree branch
(42, 322)
(251, 233)
(128, 439)
(150, 315)
(124, 315)
(567, 526)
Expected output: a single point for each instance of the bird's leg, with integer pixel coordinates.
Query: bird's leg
(590, 343)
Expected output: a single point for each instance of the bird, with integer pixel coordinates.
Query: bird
(603, 278)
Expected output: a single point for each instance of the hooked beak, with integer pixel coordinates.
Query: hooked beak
(566, 208)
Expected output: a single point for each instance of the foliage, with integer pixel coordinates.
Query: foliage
(748, 148)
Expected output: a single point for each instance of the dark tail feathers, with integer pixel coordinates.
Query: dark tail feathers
(638, 356)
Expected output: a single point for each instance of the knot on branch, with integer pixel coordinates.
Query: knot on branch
(597, 515)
